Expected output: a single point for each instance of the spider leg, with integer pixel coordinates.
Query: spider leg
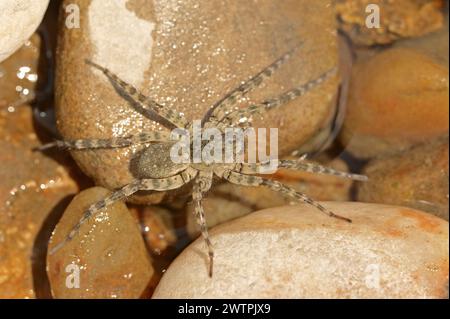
(225, 106)
(145, 102)
(162, 184)
(300, 165)
(249, 180)
(202, 185)
(115, 142)
(236, 116)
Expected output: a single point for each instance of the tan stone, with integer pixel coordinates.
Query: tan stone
(297, 252)
(397, 99)
(188, 55)
(109, 252)
(398, 19)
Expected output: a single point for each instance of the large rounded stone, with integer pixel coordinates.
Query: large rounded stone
(18, 20)
(188, 55)
(107, 258)
(297, 252)
(398, 98)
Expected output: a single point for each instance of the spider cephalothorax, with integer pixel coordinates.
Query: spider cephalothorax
(156, 171)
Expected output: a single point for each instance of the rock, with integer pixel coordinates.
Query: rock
(326, 135)
(417, 178)
(18, 74)
(188, 71)
(433, 45)
(32, 191)
(228, 201)
(18, 20)
(296, 252)
(398, 19)
(397, 99)
(109, 253)
(156, 226)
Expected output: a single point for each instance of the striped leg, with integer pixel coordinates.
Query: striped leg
(226, 105)
(249, 180)
(145, 102)
(200, 187)
(241, 116)
(162, 184)
(299, 165)
(115, 142)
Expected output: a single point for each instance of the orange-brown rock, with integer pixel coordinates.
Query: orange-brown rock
(398, 19)
(398, 98)
(156, 226)
(107, 258)
(187, 55)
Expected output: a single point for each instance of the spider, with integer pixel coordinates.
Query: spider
(157, 172)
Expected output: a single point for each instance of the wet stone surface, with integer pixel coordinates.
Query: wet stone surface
(108, 255)
(156, 226)
(149, 46)
(18, 74)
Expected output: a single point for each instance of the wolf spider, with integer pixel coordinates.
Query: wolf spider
(157, 172)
